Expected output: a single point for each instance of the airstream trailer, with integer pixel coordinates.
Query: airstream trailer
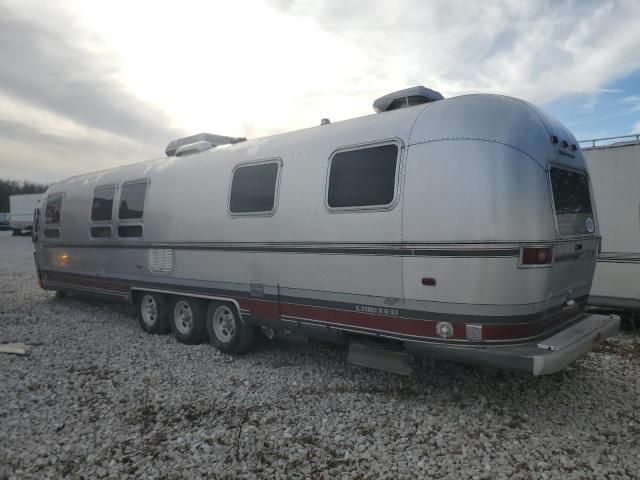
(461, 229)
(615, 175)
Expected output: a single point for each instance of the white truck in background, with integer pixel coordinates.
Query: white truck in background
(615, 175)
(21, 211)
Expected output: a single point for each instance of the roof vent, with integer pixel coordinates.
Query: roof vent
(195, 147)
(198, 143)
(406, 98)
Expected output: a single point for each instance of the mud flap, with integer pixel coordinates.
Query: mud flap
(394, 361)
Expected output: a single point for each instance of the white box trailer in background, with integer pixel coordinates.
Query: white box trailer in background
(22, 208)
(615, 176)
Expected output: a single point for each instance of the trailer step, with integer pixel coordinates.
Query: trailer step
(393, 361)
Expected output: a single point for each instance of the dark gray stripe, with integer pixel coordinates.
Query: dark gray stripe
(619, 257)
(574, 256)
(630, 261)
(398, 249)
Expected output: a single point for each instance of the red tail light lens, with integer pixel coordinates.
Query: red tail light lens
(537, 255)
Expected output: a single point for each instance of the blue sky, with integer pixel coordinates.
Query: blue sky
(88, 85)
(613, 110)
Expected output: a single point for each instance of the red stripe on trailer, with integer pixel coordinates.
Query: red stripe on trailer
(272, 310)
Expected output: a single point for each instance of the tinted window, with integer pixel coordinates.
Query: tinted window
(132, 200)
(363, 177)
(53, 210)
(253, 188)
(101, 232)
(102, 203)
(572, 202)
(52, 233)
(570, 191)
(130, 231)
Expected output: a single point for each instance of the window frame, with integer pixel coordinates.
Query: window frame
(115, 196)
(561, 166)
(396, 181)
(276, 194)
(129, 225)
(103, 223)
(48, 230)
(117, 221)
(44, 217)
(144, 205)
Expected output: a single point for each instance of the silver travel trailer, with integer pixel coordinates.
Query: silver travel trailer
(615, 175)
(461, 229)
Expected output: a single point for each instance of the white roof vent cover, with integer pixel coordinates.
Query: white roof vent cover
(199, 143)
(407, 97)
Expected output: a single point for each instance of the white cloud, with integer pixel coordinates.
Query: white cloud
(256, 67)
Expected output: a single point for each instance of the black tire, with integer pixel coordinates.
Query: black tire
(61, 294)
(188, 320)
(152, 312)
(16, 232)
(232, 335)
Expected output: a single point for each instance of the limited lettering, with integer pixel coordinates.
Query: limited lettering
(392, 312)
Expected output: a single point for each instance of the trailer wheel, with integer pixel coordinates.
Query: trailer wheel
(188, 317)
(151, 310)
(227, 332)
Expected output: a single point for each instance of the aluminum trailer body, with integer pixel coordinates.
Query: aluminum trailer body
(615, 175)
(434, 227)
(21, 210)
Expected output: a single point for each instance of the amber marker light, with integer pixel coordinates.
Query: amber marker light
(63, 259)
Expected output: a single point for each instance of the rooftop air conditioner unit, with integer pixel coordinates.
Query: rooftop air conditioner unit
(198, 143)
(407, 97)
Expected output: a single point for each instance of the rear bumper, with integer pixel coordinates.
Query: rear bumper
(543, 357)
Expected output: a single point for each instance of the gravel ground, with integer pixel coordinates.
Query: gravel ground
(96, 397)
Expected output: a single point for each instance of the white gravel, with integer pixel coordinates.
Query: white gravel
(96, 397)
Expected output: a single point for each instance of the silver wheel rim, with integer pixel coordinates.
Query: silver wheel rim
(183, 317)
(224, 324)
(149, 310)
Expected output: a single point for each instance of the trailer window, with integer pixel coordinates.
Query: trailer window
(53, 210)
(132, 200)
(572, 201)
(253, 188)
(101, 232)
(102, 206)
(129, 231)
(52, 233)
(363, 178)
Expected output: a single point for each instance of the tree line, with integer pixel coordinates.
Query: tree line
(14, 187)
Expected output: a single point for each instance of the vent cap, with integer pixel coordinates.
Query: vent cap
(407, 97)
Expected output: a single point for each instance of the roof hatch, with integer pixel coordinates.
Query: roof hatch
(407, 97)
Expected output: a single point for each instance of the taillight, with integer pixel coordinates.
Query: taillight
(537, 255)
